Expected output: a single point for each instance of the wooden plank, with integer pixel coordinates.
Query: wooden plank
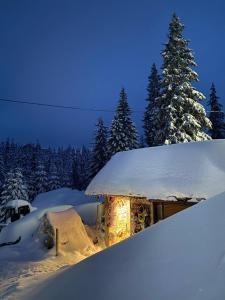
(56, 242)
(152, 221)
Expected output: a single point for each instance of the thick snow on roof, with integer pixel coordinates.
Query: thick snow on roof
(181, 257)
(18, 203)
(194, 169)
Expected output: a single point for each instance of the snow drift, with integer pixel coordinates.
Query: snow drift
(54, 201)
(63, 196)
(195, 170)
(72, 234)
(182, 257)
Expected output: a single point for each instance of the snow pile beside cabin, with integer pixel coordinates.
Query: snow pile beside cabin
(195, 170)
(28, 261)
(182, 257)
(72, 234)
(63, 196)
(54, 201)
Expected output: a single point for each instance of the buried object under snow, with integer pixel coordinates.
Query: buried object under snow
(71, 232)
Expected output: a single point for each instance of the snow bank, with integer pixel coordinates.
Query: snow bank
(63, 196)
(26, 226)
(17, 203)
(182, 257)
(194, 169)
(54, 201)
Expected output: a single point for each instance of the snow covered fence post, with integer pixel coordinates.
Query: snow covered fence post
(56, 242)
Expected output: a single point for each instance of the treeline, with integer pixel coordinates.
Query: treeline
(35, 169)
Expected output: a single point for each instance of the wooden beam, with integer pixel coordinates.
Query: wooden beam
(152, 221)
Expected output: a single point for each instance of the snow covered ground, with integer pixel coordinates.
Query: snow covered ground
(28, 262)
(182, 257)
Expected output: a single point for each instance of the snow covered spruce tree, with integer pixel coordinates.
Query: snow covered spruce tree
(53, 178)
(122, 134)
(40, 179)
(2, 172)
(151, 121)
(216, 115)
(99, 152)
(13, 189)
(182, 117)
(80, 169)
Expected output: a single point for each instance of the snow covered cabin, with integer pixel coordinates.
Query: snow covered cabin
(146, 185)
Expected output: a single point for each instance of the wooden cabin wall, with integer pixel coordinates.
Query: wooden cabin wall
(117, 219)
(166, 209)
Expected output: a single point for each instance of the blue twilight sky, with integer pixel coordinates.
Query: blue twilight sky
(80, 53)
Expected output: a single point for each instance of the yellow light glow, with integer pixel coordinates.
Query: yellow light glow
(118, 219)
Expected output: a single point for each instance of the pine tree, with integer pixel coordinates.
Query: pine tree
(216, 115)
(40, 179)
(151, 121)
(31, 173)
(53, 179)
(84, 160)
(99, 152)
(122, 135)
(2, 172)
(13, 189)
(142, 142)
(75, 174)
(80, 169)
(182, 117)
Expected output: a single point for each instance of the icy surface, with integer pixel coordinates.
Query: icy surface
(195, 169)
(182, 257)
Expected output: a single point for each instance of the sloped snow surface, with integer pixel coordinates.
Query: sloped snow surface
(182, 257)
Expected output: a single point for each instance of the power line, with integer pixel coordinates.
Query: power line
(54, 105)
(60, 106)
(74, 107)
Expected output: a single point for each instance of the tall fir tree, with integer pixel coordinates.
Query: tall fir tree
(2, 172)
(13, 189)
(75, 174)
(80, 169)
(151, 120)
(216, 115)
(142, 142)
(99, 152)
(40, 179)
(53, 178)
(182, 117)
(122, 134)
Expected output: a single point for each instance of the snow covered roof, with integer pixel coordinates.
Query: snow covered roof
(195, 169)
(181, 257)
(18, 203)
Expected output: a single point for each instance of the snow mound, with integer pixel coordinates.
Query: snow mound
(26, 226)
(63, 196)
(54, 201)
(72, 233)
(17, 203)
(195, 170)
(182, 257)
(88, 212)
